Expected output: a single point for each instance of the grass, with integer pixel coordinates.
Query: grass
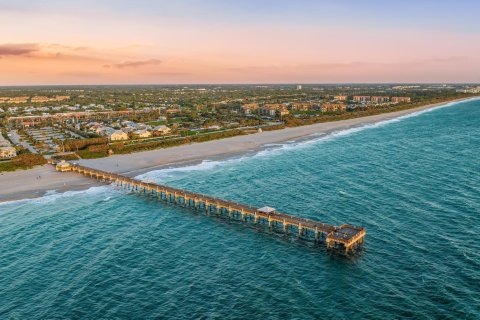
(67, 157)
(8, 166)
(86, 154)
(22, 162)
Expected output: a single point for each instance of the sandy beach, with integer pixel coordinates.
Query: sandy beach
(37, 181)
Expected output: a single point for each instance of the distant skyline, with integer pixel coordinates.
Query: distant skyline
(166, 42)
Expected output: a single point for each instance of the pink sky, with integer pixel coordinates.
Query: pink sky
(105, 47)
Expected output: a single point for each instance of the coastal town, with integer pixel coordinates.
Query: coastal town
(232, 160)
(80, 123)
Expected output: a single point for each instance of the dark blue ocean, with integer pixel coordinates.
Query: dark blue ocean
(413, 182)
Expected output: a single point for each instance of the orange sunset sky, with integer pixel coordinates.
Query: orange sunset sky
(144, 42)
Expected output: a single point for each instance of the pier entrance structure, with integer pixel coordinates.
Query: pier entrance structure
(345, 238)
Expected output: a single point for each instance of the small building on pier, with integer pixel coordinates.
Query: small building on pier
(63, 166)
(267, 210)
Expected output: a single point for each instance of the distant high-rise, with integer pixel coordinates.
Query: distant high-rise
(299, 87)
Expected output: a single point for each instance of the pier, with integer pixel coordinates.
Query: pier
(345, 238)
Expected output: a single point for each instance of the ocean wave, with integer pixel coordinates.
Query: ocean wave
(274, 149)
(52, 195)
(165, 174)
(270, 150)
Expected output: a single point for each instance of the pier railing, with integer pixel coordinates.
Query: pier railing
(345, 237)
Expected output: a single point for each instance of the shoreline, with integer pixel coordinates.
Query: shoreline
(36, 182)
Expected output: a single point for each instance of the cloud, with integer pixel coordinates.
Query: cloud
(134, 64)
(49, 51)
(21, 49)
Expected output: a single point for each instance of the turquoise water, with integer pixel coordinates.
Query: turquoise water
(413, 182)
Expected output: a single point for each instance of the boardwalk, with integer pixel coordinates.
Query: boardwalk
(344, 238)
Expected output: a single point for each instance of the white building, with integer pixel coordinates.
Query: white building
(162, 129)
(7, 152)
(142, 133)
(118, 135)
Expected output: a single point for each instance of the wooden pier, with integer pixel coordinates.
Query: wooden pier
(345, 238)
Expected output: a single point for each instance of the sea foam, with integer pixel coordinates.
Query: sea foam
(275, 149)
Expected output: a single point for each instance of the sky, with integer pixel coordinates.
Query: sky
(53, 42)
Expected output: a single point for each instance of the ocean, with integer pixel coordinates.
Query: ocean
(413, 182)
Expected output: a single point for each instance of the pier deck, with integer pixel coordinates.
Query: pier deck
(344, 238)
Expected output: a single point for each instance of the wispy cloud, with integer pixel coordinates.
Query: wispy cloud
(19, 49)
(50, 51)
(134, 64)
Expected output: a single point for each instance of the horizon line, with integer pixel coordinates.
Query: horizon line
(239, 84)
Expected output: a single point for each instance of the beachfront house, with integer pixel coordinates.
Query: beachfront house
(162, 129)
(118, 135)
(7, 152)
(142, 133)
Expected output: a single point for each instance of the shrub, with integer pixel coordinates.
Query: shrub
(29, 160)
(73, 145)
(98, 148)
(85, 154)
(66, 157)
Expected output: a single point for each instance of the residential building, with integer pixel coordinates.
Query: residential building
(7, 152)
(380, 99)
(18, 100)
(40, 99)
(401, 99)
(118, 135)
(301, 106)
(106, 131)
(100, 129)
(283, 112)
(61, 98)
(361, 98)
(48, 99)
(464, 90)
(142, 133)
(249, 108)
(6, 149)
(341, 97)
(270, 109)
(162, 129)
(333, 107)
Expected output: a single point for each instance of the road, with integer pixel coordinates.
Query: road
(13, 135)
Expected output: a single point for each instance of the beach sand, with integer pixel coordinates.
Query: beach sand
(27, 184)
